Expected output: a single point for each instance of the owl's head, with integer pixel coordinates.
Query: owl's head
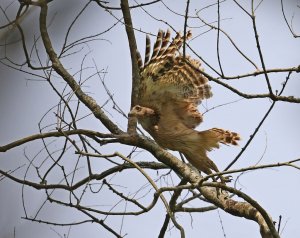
(141, 112)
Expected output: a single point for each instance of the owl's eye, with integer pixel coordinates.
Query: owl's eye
(138, 108)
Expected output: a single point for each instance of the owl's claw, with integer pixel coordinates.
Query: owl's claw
(226, 179)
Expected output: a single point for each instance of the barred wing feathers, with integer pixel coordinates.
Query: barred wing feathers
(166, 77)
(169, 93)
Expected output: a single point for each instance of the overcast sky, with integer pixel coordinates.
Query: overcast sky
(24, 101)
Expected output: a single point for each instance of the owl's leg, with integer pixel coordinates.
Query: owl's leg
(225, 179)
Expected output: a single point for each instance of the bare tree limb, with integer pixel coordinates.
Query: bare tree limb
(286, 21)
(27, 139)
(253, 17)
(185, 26)
(59, 68)
(133, 51)
(250, 210)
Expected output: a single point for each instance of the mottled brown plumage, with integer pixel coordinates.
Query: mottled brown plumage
(170, 90)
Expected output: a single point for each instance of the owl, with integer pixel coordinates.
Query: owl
(170, 90)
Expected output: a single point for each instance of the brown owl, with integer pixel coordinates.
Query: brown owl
(170, 90)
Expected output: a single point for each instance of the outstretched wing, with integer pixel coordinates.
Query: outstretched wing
(171, 87)
(169, 78)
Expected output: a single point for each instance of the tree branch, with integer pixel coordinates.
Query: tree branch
(133, 51)
(59, 68)
(249, 209)
(31, 138)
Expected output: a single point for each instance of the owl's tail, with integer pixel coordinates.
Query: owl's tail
(225, 136)
(210, 139)
(206, 141)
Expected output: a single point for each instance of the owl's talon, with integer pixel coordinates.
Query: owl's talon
(226, 179)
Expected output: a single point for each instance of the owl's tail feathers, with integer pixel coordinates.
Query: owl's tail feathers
(206, 141)
(225, 136)
(210, 139)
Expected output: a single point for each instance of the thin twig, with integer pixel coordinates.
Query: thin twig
(185, 26)
(218, 40)
(286, 21)
(259, 125)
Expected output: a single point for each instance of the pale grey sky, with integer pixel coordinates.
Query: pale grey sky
(24, 102)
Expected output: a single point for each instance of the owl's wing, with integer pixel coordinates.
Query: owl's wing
(168, 78)
(171, 87)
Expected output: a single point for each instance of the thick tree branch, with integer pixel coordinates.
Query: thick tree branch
(132, 121)
(133, 51)
(249, 209)
(210, 194)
